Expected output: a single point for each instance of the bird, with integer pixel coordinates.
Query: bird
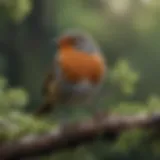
(77, 72)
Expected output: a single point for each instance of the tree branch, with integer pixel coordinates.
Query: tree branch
(72, 135)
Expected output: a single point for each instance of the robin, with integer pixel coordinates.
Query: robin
(77, 72)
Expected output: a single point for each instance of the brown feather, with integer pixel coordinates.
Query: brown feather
(50, 94)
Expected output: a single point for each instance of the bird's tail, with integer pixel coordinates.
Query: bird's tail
(43, 109)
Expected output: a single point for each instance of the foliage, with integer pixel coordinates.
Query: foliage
(124, 77)
(16, 124)
(128, 32)
(13, 122)
(17, 10)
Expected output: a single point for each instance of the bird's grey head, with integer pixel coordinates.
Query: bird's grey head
(79, 40)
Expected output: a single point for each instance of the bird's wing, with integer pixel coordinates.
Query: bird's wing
(50, 78)
(47, 82)
(50, 94)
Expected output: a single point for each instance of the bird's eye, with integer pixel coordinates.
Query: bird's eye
(78, 40)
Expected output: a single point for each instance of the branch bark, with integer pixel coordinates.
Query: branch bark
(72, 135)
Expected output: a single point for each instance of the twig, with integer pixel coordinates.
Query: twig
(72, 135)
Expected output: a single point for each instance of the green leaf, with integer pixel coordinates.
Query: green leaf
(19, 9)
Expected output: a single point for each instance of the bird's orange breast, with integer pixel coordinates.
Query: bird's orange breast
(77, 66)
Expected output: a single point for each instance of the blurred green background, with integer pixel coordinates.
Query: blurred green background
(128, 32)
